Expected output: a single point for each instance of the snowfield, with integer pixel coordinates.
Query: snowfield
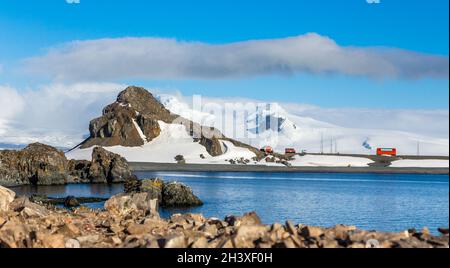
(330, 161)
(421, 163)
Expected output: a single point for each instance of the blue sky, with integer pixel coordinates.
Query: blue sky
(29, 28)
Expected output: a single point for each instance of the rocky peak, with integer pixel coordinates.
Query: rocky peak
(143, 102)
(138, 112)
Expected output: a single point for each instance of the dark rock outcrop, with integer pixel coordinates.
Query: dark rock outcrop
(107, 167)
(137, 110)
(40, 164)
(135, 107)
(115, 127)
(212, 146)
(37, 164)
(168, 194)
(175, 194)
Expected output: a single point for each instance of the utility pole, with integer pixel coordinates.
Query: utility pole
(321, 143)
(418, 148)
(331, 145)
(335, 147)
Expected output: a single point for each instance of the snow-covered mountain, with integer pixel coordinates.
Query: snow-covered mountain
(270, 124)
(146, 128)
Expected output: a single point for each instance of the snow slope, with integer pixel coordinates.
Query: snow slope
(421, 163)
(173, 141)
(330, 161)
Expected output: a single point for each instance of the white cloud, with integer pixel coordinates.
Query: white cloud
(431, 123)
(160, 58)
(57, 114)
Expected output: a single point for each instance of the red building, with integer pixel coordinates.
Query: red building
(290, 151)
(267, 150)
(387, 151)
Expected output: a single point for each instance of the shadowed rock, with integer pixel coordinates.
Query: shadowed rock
(37, 164)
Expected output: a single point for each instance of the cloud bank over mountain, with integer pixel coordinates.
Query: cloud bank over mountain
(162, 58)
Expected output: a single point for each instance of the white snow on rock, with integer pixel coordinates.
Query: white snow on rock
(173, 140)
(425, 163)
(330, 161)
(139, 130)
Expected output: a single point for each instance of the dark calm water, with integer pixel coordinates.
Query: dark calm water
(370, 201)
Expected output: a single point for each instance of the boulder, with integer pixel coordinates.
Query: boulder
(71, 202)
(28, 209)
(250, 218)
(443, 231)
(212, 145)
(246, 235)
(123, 204)
(153, 187)
(175, 194)
(107, 167)
(132, 185)
(311, 232)
(6, 198)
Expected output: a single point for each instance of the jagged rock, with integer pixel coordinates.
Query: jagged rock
(135, 106)
(37, 164)
(153, 187)
(246, 235)
(170, 194)
(145, 103)
(250, 218)
(212, 145)
(107, 167)
(115, 127)
(176, 241)
(6, 198)
(311, 232)
(132, 228)
(78, 171)
(176, 194)
(28, 209)
(132, 185)
(137, 110)
(40, 164)
(149, 126)
(122, 204)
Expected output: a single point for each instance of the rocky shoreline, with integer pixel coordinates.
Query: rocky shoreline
(131, 220)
